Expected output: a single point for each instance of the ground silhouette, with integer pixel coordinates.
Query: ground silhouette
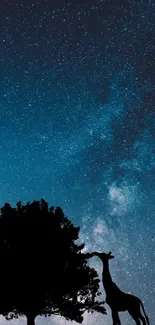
(117, 299)
(43, 270)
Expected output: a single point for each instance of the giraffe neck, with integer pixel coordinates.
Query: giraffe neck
(106, 277)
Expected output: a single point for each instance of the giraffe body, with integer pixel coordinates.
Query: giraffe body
(120, 299)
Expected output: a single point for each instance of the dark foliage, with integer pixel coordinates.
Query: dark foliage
(43, 270)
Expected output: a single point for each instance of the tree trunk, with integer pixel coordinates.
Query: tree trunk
(30, 320)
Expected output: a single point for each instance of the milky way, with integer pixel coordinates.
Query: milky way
(77, 126)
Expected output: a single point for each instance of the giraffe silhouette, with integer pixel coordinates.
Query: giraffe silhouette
(117, 299)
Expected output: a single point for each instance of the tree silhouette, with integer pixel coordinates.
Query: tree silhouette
(43, 270)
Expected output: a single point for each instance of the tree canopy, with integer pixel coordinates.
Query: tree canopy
(43, 270)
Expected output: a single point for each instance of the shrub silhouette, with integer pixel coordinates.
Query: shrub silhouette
(43, 270)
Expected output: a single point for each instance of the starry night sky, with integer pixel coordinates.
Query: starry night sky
(77, 126)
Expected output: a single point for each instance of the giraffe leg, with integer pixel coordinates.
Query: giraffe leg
(115, 317)
(142, 319)
(135, 317)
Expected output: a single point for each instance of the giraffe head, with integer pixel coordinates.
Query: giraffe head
(103, 256)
